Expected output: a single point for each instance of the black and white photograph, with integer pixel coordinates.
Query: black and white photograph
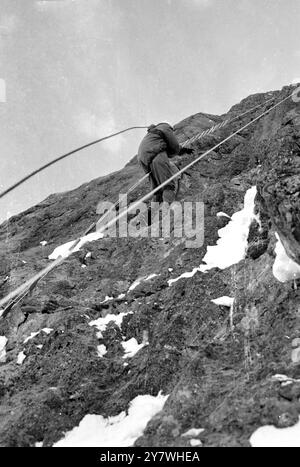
(149, 228)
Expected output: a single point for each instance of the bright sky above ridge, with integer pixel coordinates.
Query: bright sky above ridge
(74, 70)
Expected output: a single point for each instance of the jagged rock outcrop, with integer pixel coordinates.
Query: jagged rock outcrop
(216, 366)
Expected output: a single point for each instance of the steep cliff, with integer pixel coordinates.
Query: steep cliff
(217, 363)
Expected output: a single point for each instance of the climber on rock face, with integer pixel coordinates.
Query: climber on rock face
(157, 147)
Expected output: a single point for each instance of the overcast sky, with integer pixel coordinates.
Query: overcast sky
(74, 70)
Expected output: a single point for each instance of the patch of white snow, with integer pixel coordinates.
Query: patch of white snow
(284, 268)
(33, 334)
(3, 342)
(224, 301)
(140, 280)
(270, 436)
(131, 347)
(185, 275)
(193, 432)
(101, 323)
(223, 214)
(63, 250)
(134, 285)
(101, 349)
(119, 431)
(21, 357)
(151, 277)
(195, 442)
(232, 244)
(283, 379)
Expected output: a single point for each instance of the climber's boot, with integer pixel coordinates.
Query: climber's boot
(169, 195)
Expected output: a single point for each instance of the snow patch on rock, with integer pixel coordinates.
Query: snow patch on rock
(3, 342)
(195, 442)
(101, 323)
(223, 301)
(223, 214)
(101, 349)
(107, 299)
(185, 275)
(193, 432)
(142, 279)
(134, 285)
(63, 250)
(270, 436)
(131, 347)
(232, 244)
(151, 277)
(33, 334)
(20, 358)
(284, 268)
(119, 431)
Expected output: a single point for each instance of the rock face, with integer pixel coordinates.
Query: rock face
(216, 364)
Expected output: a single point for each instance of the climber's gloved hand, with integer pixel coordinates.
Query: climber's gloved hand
(184, 150)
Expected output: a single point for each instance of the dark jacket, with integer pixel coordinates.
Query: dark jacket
(159, 138)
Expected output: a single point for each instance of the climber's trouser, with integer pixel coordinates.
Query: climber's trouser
(161, 170)
(175, 170)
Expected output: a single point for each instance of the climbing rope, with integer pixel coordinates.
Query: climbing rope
(30, 284)
(220, 125)
(54, 161)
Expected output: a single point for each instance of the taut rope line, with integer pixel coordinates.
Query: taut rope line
(43, 167)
